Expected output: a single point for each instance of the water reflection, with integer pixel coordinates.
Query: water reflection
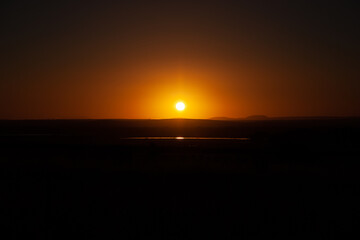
(186, 138)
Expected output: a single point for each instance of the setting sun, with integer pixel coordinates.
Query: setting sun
(180, 106)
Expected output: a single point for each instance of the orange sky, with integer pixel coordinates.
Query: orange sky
(136, 59)
(151, 91)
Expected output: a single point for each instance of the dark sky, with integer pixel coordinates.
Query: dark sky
(134, 59)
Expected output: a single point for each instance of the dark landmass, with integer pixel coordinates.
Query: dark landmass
(264, 117)
(291, 179)
(257, 117)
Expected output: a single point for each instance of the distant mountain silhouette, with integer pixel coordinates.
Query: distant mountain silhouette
(253, 117)
(264, 117)
(224, 118)
(257, 117)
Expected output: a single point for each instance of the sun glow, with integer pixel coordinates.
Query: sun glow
(180, 106)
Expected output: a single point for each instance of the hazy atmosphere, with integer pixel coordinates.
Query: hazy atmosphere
(179, 119)
(136, 59)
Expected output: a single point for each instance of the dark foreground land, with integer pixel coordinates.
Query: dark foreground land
(89, 179)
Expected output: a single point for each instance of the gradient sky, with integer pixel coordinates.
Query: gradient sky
(135, 59)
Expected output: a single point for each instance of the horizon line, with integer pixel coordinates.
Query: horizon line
(252, 117)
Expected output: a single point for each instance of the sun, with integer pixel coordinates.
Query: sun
(180, 106)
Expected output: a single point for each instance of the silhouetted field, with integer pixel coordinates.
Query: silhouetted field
(292, 179)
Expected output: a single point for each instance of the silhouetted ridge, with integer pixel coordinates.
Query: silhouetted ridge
(257, 117)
